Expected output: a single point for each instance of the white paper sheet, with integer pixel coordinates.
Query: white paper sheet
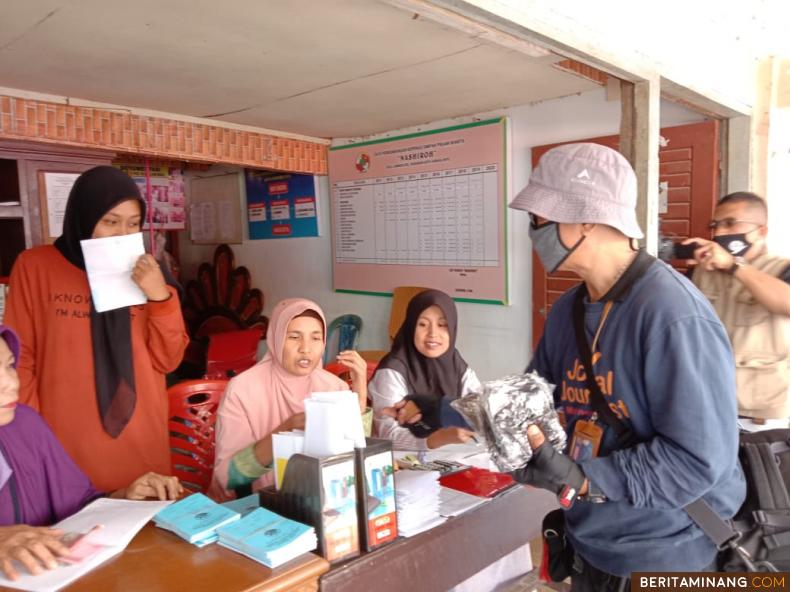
(453, 502)
(109, 263)
(333, 424)
(58, 186)
(121, 521)
(417, 499)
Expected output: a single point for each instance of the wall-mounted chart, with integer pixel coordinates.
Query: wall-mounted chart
(425, 209)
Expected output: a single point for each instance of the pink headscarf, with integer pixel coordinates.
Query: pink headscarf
(264, 396)
(283, 389)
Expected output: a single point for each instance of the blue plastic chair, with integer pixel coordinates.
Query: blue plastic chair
(342, 334)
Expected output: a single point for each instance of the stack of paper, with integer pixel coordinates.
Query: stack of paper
(268, 538)
(417, 499)
(453, 502)
(333, 424)
(195, 519)
(120, 521)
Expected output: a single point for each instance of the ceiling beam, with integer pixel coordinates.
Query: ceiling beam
(534, 27)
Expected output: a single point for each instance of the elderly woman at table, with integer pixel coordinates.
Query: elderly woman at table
(39, 483)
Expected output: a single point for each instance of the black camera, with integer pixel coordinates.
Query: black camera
(668, 250)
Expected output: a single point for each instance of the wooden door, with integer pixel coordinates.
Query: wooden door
(689, 163)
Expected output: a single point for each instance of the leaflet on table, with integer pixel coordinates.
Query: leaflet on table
(268, 537)
(120, 521)
(195, 517)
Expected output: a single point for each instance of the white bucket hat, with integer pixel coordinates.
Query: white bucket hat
(583, 184)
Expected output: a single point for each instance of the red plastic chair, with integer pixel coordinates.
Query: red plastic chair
(343, 372)
(193, 413)
(232, 352)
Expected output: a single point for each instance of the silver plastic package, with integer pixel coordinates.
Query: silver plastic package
(503, 409)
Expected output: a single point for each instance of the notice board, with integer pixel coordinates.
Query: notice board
(215, 209)
(168, 197)
(424, 209)
(280, 205)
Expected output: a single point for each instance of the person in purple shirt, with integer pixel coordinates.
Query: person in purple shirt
(39, 483)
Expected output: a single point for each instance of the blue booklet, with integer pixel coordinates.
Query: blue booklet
(244, 505)
(268, 537)
(195, 517)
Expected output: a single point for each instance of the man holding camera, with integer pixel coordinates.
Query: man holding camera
(750, 291)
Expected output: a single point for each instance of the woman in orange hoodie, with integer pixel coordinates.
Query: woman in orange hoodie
(98, 379)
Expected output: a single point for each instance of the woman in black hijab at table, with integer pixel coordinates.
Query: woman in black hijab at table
(420, 375)
(97, 378)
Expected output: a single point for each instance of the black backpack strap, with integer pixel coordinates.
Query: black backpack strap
(766, 479)
(719, 531)
(625, 436)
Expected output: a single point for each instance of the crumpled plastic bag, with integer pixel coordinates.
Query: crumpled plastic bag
(503, 409)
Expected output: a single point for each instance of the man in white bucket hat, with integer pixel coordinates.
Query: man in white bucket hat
(652, 426)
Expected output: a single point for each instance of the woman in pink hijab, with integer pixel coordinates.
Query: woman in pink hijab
(269, 397)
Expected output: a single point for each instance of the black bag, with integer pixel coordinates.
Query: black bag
(762, 526)
(557, 549)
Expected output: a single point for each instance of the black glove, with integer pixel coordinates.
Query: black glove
(548, 469)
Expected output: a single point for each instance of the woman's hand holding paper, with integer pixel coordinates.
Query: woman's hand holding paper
(147, 274)
(36, 548)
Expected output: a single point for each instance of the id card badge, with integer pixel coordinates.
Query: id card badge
(586, 440)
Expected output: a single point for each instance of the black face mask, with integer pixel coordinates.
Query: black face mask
(735, 244)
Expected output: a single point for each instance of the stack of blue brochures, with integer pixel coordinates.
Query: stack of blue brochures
(268, 538)
(244, 505)
(195, 519)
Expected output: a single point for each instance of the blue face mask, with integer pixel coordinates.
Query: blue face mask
(546, 241)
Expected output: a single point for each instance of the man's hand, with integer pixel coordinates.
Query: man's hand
(548, 469)
(710, 255)
(35, 548)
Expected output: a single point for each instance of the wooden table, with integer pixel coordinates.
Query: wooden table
(438, 559)
(157, 560)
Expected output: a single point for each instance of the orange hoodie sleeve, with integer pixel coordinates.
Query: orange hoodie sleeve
(167, 337)
(20, 316)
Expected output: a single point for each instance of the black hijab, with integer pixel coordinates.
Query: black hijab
(96, 192)
(431, 377)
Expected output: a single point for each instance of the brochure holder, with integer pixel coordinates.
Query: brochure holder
(320, 492)
(378, 521)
